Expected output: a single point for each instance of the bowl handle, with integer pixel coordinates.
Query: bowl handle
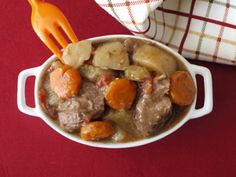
(21, 103)
(208, 100)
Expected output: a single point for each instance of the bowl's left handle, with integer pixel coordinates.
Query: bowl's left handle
(21, 100)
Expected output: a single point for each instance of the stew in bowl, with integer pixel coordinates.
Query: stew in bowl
(118, 91)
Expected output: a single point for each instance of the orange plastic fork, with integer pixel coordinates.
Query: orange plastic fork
(46, 20)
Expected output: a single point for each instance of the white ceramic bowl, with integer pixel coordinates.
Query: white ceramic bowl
(191, 114)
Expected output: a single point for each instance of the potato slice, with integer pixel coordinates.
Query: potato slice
(92, 72)
(154, 59)
(75, 54)
(137, 73)
(120, 135)
(111, 55)
(124, 125)
(122, 117)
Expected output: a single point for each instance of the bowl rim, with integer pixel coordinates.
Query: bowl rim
(137, 143)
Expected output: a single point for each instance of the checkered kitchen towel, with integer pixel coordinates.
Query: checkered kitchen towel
(197, 29)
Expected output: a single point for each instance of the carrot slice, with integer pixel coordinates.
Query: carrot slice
(182, 88)
(120, 94)
(96, 130)
(65, 81)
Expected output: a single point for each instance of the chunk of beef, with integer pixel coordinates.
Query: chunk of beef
(76, 111)
(153, 106)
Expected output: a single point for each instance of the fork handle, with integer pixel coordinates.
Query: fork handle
(34, 2)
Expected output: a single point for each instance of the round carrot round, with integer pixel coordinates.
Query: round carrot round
(96, 130)
(65, 81)
(120, 94)
(182, 88)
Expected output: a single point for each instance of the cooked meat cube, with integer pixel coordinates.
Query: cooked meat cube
(153, 106)
(76, 111)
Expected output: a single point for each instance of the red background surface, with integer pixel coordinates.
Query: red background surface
(28, 147)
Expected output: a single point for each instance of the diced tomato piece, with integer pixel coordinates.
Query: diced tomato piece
(104, 80)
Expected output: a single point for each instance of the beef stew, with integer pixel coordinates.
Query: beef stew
(125, 91)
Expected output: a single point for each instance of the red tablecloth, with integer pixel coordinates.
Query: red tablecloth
(29, 148)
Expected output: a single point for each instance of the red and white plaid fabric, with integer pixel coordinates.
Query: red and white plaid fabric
(197, 29)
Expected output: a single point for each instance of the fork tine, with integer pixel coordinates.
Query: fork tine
(59, 37)
(51, 45)
(64, 24)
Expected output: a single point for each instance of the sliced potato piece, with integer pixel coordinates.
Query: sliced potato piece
(52, 97)
(75, 54)
(111, 55)
(155, 59)
(92, 72)
(56, 64)
(120, 135)
(137, 73)
(122, 117)
(125, 127)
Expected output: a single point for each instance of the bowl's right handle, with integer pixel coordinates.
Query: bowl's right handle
(208, 99)
(21, 100)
